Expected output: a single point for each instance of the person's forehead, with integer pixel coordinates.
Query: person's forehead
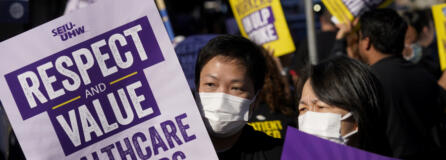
(223, 68)
(307, 92)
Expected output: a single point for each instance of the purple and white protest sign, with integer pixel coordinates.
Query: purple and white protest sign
(299, 145)
(102, 82)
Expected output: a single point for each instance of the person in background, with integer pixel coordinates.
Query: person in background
(413, 93)
(274, 112)
(419, 47)
(332, 40)
(339, 101)
(230, 72)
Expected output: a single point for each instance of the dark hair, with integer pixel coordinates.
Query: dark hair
(234, 47)
(418, 19)
(386, 30)
(350, 85)
(276, 91)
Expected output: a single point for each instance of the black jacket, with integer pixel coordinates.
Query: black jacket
(253, 145)
(415, 121)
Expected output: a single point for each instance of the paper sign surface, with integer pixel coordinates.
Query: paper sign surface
(263, 22)
(102, 82)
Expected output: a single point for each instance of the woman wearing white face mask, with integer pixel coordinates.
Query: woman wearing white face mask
(341, 101)
(230, 71)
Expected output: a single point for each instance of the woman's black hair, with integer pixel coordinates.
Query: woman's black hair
(350, 85)
(234, 47)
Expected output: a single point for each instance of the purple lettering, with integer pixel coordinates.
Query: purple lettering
(178, 154)
(63, 37)
(170, 134)
(108, 149)
(60, 30)
(69, 27)
(123, 153)
(79, 30)
(138, 147)
(54, 32)
(157, 142)
(183, 128)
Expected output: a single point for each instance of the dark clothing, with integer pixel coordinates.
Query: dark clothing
(325, 41)
(339, 47)
(272, 123)
(414, 119)
(429, 61)
(253, 145)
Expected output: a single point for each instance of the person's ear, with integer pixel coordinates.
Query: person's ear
(367, 43)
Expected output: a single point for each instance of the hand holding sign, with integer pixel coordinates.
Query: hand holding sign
(346, 10)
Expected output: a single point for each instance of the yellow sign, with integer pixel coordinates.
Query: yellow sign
(347, 10)
(439, 12)
(271, 128)
(263, 22)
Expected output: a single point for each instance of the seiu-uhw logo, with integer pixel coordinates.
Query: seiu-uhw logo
(67, 31)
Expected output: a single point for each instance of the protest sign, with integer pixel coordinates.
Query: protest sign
(299, 145)
(102, 82)
(439, 13)
(263, 22)
(347, 10)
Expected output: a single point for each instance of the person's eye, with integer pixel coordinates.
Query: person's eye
(322, 107)
(303, 109)
(236, 88)
(210, 84)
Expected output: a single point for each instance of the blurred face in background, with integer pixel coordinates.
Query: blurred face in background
(427, 35)
(411, 38)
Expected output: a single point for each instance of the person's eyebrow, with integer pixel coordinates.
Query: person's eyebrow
(236, 81)
(211, 76)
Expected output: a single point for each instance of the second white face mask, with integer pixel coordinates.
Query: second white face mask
(224, 114)
(324, 125)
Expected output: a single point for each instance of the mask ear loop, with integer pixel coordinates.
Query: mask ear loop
(349, 114)
(250, 111)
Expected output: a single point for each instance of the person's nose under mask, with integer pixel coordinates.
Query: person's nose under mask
(223, 114)
(325, 125)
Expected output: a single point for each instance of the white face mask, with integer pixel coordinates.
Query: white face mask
(325, 125)
(416, 54)
(224, 114)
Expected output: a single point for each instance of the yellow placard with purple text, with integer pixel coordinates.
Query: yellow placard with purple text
(439, 13)
(347, 10)
(263, 22)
